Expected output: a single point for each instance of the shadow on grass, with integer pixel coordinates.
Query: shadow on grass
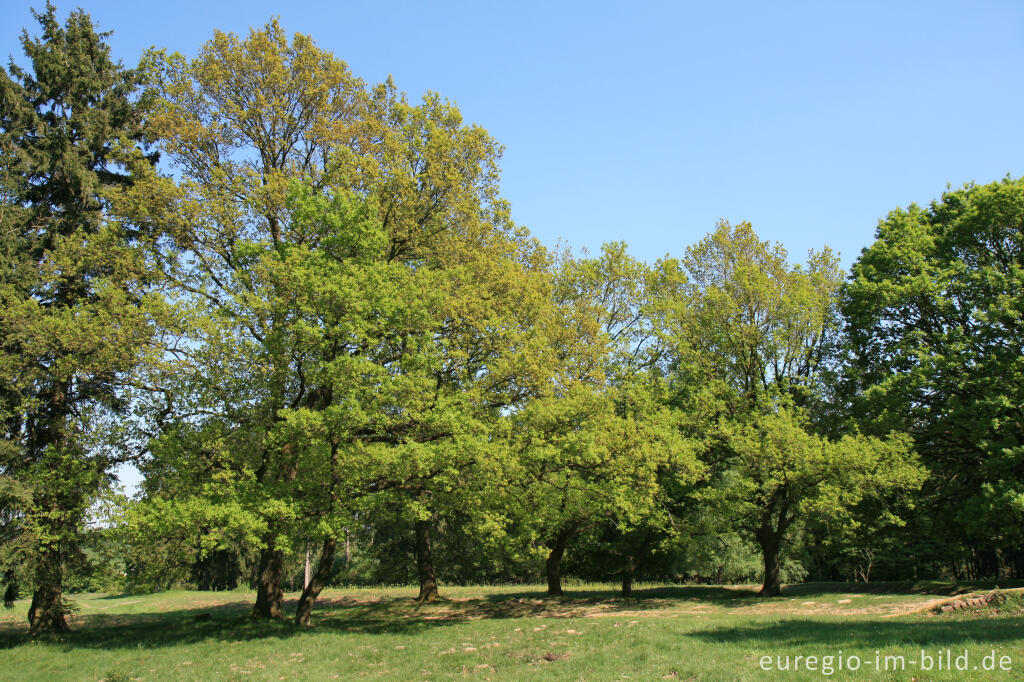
(230, 621)
(898, 588)
(806, 634)
(395, 615)
(641, 599)
(122, 595)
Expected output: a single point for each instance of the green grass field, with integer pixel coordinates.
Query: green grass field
(513, 633)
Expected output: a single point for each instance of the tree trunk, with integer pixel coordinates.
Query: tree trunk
(316, 582)
(554, 562)
(348, 550)
(10, 594)
(425, 563)
(268, 584)
(770, 546)
(46, 614)
(634, 560)
(627, 576)
(988, 563)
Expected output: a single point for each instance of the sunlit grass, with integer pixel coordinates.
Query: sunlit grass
(507, 633)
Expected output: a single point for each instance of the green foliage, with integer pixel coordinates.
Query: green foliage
(782, 472)
(753, 345)
(359, 309)
(933, 312)
(323, 330)
(75, 295)
(757, 328)
(594, 442)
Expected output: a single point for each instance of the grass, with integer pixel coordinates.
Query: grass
(517, 633)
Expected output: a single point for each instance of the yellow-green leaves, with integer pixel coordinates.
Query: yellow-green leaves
(787, 471)
(754, 350)
(366, 309)
(755, 324)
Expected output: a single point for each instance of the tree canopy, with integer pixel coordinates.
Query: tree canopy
(933, 313)
(299, 303)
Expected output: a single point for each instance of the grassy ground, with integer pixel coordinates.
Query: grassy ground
(516, 633)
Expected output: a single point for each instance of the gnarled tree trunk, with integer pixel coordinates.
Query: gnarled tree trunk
(425, 563)
(316, 582)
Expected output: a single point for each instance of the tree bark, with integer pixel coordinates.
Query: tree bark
(268, 584)
(770, 546)
(46, 614)
(316, 582)
(554, 562)
(425, 563)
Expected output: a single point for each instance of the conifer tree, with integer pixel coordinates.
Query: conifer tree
(72, 293)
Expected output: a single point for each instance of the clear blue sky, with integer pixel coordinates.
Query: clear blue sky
(649, 121)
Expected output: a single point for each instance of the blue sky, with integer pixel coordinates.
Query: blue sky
(647, 122)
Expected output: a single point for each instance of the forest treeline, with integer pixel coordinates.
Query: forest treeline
(297, 302)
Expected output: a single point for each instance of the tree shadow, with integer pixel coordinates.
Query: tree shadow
(230, 621)
(150, 630)
(395, 615)
(640, 598)
(806, 634)
(402, 614)
(924, 587)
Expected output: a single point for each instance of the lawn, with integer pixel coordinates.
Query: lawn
(516, 633)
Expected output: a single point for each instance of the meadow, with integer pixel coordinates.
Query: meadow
(517, 633)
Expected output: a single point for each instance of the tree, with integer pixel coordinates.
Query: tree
(239, 123)
(75, 293)
(754, 340)
(933, 324)
(419, 363)
(782, 473)
(593, 441)
(361, 299)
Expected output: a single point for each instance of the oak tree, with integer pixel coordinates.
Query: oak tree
(755, 338)
(362, 300)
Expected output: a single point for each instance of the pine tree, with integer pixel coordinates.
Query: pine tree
(72, 293)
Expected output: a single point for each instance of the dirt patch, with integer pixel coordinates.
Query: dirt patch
(964, 602)
(534, 658)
